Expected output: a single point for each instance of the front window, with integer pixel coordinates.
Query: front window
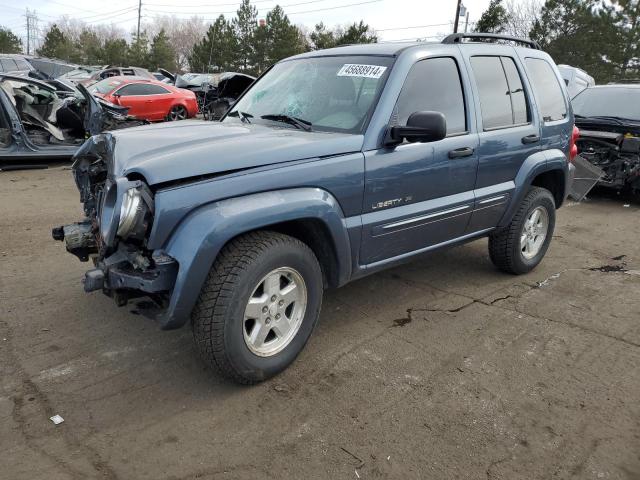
(105, 86)
(331, 93)
(608, 102)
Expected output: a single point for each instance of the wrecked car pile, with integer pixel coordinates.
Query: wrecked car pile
(216, 93)
(39, 119)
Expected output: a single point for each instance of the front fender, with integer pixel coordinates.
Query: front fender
(533, 166)
(198, 239)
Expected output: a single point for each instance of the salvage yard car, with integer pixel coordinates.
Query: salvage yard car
(609, 121)
(147, 99)
(335, 164)
(50, 120)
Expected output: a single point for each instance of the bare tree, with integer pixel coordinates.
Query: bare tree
(521, 15)
(183, 34)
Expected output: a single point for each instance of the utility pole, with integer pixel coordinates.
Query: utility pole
(455, 23)
(32, 27)
(139, 14)
(466, 23)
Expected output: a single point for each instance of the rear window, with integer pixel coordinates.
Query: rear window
(8, 64)
(502, 99)
(547, 90)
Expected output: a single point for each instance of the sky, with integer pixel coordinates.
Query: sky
(392, 19)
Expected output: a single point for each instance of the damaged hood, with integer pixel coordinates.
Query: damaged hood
(189, 149)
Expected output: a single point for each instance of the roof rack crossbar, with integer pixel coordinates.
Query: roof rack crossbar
(458, 37)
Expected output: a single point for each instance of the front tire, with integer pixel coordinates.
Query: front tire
(258, 306)
(520, 246)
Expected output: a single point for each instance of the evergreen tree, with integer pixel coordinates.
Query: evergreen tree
(357, 33)
(114, 52)
(494, 19)
(138, 55)
(627, 56)
(162, 54)
(9, 43)
(88, 47)
(262, 44)
(56, 45)
(322, 37)
(218, 49)
(579, 33)
(244, 26)
(285, 39)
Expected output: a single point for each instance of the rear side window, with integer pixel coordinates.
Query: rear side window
(547, 89)
(434, 84)
(141, 89)
(502, 99)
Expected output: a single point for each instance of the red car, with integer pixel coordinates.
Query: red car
(147, 99)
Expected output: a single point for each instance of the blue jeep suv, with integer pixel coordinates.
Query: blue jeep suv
(333, 165)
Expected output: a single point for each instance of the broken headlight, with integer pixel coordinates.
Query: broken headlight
(135, 212)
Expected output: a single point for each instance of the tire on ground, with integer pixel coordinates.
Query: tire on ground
(504, 245)
(218, 317)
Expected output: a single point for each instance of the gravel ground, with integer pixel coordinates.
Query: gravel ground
(439, 369)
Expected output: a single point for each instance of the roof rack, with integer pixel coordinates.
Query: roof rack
(458, 37)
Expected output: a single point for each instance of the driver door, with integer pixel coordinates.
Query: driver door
(418, 195)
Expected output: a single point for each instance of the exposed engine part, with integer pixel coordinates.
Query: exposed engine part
(616, 154)
(79, 238)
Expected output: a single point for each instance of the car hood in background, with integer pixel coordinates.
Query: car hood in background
(188, 149)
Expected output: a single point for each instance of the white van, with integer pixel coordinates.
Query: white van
(575, 79)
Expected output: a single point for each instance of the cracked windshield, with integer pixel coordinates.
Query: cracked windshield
(321, 93)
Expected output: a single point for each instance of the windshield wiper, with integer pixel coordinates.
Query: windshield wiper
(297, 122)
(243, 116)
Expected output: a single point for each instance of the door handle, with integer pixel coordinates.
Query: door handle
(461, 152)
(533, 138)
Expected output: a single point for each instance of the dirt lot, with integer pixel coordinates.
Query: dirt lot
(440, 369)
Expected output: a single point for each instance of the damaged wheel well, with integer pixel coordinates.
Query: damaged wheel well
(554, 181)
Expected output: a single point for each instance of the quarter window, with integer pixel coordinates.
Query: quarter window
(547, 89)
(502, 99)
(434, 84)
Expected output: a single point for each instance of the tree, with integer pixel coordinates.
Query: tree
(521, 16)
(9, 43)
(217, 50)
(322, 37)
(139, 51)
(244, 26)
(357, 33)
(494, 19)
(115, 51)
(56, 45)
(627, 21)
(581, 33)
(285, 39)
(162, 53)
(88, 47)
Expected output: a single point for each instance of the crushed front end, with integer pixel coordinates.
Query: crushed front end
(616, 151)
(119, 214)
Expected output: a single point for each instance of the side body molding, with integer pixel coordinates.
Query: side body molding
(198, 239)
(534, 165)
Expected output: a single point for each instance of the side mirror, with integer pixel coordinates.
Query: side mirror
(421, 127)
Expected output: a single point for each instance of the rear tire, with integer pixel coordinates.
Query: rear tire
(177, 112)
(520, 246)
(249, 324)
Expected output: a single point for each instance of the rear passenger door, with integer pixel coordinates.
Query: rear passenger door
(421, 194)
(508, 132)
(552, 104)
